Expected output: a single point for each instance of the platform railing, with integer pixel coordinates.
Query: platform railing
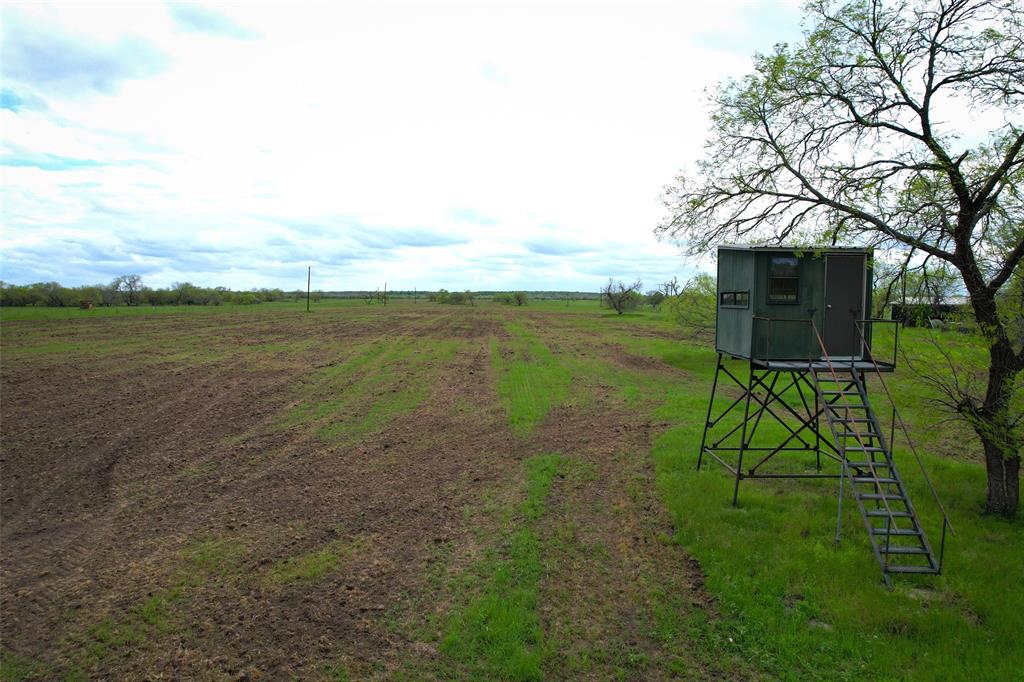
(764, 329)
(869, 346)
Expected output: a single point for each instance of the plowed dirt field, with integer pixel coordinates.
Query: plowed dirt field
(262, 493)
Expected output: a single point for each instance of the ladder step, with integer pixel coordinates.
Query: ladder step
(870, 479)
(885, 514)
(835, 406)
(855, 434)
(911, 569)
(868, 465)
(902, 550)
(895, 531)
(876, 496)
(827, 392)
(867, 448)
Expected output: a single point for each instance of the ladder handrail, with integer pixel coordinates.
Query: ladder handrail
(906, 433)
(856, 435)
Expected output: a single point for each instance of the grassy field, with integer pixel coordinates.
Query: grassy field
(422, 491)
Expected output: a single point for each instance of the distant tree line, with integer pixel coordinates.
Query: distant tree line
(129, 290)
(452, 297)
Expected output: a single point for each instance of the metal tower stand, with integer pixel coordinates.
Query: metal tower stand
(774, 391)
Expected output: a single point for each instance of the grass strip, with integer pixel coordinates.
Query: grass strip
(498, 634)
(353, 398)
(531, 380)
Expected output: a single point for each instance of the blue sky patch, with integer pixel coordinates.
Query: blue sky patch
(203, 20)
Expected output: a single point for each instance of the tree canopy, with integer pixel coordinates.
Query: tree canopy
(896, 125)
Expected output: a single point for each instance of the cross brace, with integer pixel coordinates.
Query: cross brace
(785, 397)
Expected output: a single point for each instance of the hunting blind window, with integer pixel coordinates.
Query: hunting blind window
(783, 280)
(734, 299)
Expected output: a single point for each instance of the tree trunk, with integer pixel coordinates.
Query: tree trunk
(1003, 481)
(1002, 446)
(994, 427)
(992, 421)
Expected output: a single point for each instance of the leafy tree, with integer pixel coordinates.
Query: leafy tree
(520, 298)
(695, 306)
(110, 295)
(54, 295)
(90, 295)
(129, 287)
(460, 298)
(848, 138)
(184, 293)
(621, 297)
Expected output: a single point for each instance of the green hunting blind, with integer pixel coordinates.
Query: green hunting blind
(793, 331)
(767, 295)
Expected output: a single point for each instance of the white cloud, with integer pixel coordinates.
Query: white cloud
(504, 132)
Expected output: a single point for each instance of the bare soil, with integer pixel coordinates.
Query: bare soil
(115, 464)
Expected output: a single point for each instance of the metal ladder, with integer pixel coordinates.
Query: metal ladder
(897, 538)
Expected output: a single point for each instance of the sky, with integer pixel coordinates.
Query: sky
(465, 145)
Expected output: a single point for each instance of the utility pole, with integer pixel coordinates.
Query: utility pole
(309, 278)
(385, 293)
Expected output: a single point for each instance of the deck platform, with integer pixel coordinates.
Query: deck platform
(840, 364)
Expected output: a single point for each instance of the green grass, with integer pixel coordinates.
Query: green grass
(793, 604)
(497, 634)
(15, 668)
(120, 634)
(531, 380)
(47, 313)
(361, 393)
(311, 566)
(797, 606)
(933, 352)
(213, 557)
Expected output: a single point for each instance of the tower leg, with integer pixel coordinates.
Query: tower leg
(817, 433)
(839, 516)
(707, 419)
(743, 437)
